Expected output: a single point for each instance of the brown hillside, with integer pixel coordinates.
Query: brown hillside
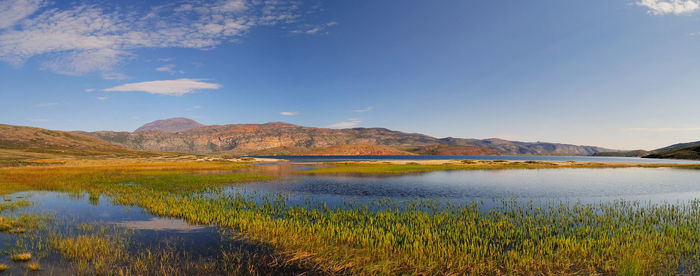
(453, 150)
(38, 140)
(358, 150)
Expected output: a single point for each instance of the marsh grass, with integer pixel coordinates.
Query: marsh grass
(168, 176)
(413, 167)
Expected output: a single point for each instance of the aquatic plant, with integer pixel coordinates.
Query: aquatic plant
(33, 266)
(22, 257)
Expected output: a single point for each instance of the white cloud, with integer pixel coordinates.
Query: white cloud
(662, 129)
(102, 98)
(89, 90)
(369, 108)
(12, 11)
(315, 29)
(677, 7)
(177, 87)
(46, 104)
(170, 68)
(352, 122)
(88, 38)
(288, 113)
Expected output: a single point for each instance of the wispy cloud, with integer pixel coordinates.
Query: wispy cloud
(315, 29)
(15, 10)
(367, 109)
(46, 104)
(289, 113)
(662, 129)
(177, 87)
(677, 7)
(102, 98)
(169, 68)
(89, 90)
(352, 122)
(86, 38)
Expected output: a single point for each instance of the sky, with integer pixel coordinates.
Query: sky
(622, 74)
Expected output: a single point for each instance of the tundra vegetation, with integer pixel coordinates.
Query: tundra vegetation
(382, 237)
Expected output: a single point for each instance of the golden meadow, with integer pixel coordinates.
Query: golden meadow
(384, 237)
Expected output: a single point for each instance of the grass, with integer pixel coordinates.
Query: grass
(413, 167)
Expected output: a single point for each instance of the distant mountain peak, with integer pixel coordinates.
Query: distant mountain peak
(171, 125)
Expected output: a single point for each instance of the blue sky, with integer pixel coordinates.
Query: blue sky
(616, 73)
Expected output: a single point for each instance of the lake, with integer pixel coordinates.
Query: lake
(480, 157)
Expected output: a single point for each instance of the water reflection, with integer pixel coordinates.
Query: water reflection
(584, 185)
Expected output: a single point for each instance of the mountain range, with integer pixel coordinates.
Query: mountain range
(277, 138)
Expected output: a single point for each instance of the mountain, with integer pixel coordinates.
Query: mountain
(259, 138)
(515, 147)
(20, 142)
(631, 153)
(688, 152)
(358, 150)
(452, 150)
(171, 125)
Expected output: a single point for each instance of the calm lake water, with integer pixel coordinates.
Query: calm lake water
(555, 185)
(481, 157)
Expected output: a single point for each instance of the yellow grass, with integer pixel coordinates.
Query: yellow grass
(22, 257)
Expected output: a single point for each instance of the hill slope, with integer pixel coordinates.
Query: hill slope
(19, 142)
(675, 146)
(452, 150)
(170, 125)
(689, 152)
(257, 138)
(631, 153)
(358, 150)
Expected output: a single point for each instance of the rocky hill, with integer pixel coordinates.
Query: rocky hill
(266, 138)
(171, 125)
